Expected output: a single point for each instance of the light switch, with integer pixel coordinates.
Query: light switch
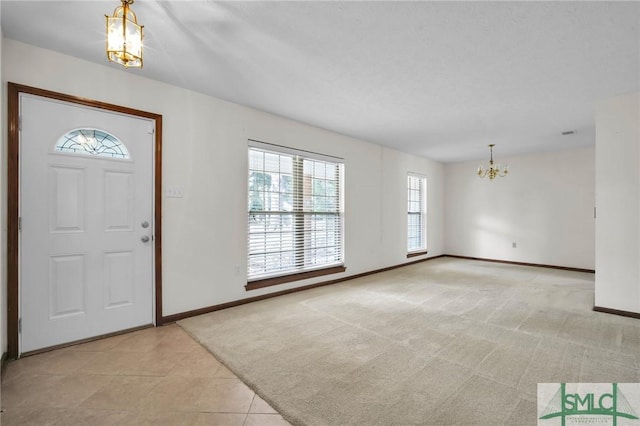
(174, 192)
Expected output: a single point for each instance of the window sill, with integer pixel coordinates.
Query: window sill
(267, 282)
(416, 253)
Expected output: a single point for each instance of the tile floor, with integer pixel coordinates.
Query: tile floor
(156, 376)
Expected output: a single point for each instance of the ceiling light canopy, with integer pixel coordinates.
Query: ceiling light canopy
(493, 171)
(124, 37)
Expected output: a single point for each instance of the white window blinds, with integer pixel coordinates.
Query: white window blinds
(417, 212)
(295, 205)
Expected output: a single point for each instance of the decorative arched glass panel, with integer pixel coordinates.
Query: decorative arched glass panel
(93, 142)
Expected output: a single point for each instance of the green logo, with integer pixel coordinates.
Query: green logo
(604, 403)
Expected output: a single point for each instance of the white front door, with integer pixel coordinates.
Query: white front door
(86, 220)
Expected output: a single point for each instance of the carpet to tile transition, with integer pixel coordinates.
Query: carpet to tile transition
(443, 342)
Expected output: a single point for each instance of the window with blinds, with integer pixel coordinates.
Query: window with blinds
(295, 220)
(417, 213)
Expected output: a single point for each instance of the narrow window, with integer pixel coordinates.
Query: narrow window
(93, 142)
(416, 215)
(295, 220)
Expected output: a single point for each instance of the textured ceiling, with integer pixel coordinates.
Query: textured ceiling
(437, 79)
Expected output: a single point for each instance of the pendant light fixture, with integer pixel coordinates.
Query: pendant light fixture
(124, 37)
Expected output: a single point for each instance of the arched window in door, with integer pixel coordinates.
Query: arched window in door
(92, 142)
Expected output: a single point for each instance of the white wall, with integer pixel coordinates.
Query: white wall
(205, 153)
(618, 203)
(544, 205)
(395, 166)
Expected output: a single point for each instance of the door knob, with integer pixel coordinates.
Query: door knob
(144, 239)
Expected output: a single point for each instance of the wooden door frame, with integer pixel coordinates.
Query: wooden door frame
(13, 201)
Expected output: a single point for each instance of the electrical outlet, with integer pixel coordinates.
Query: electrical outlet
(513, 244)
(236, 269)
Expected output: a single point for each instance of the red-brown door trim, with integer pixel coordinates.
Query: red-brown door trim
(13, 201)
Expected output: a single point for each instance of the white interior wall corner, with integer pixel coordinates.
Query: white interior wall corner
(544, 206)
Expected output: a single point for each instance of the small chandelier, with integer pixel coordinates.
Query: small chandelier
(124, 37)
(493, 171)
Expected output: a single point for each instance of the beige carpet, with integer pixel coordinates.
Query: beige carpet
(443, 342)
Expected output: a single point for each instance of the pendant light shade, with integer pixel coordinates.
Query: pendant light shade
(124, 37)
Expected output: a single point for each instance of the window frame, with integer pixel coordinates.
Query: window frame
(422, 249)
(300, 271)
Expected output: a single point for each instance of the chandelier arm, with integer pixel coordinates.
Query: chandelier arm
(484, 173)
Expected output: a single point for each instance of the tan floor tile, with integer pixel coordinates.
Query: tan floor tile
(265, 420)
(41, 357)
(170, 330)
(13, 371)
(138, 344)
(139, 340)
(148, 339)
(260, 406)
(178, 343)
(158, 376)
(156, 363)
(158, 332)
(175, 393)
(219, 419)
(224, 372)
(111, 363)
(27, 416)
(100, 345)
(161, 418)
(27, 389)
(70, 391)
(198, 363)
(225, 396)
(121, 393)
(82, 416)
(133, 363)
(56, 362)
